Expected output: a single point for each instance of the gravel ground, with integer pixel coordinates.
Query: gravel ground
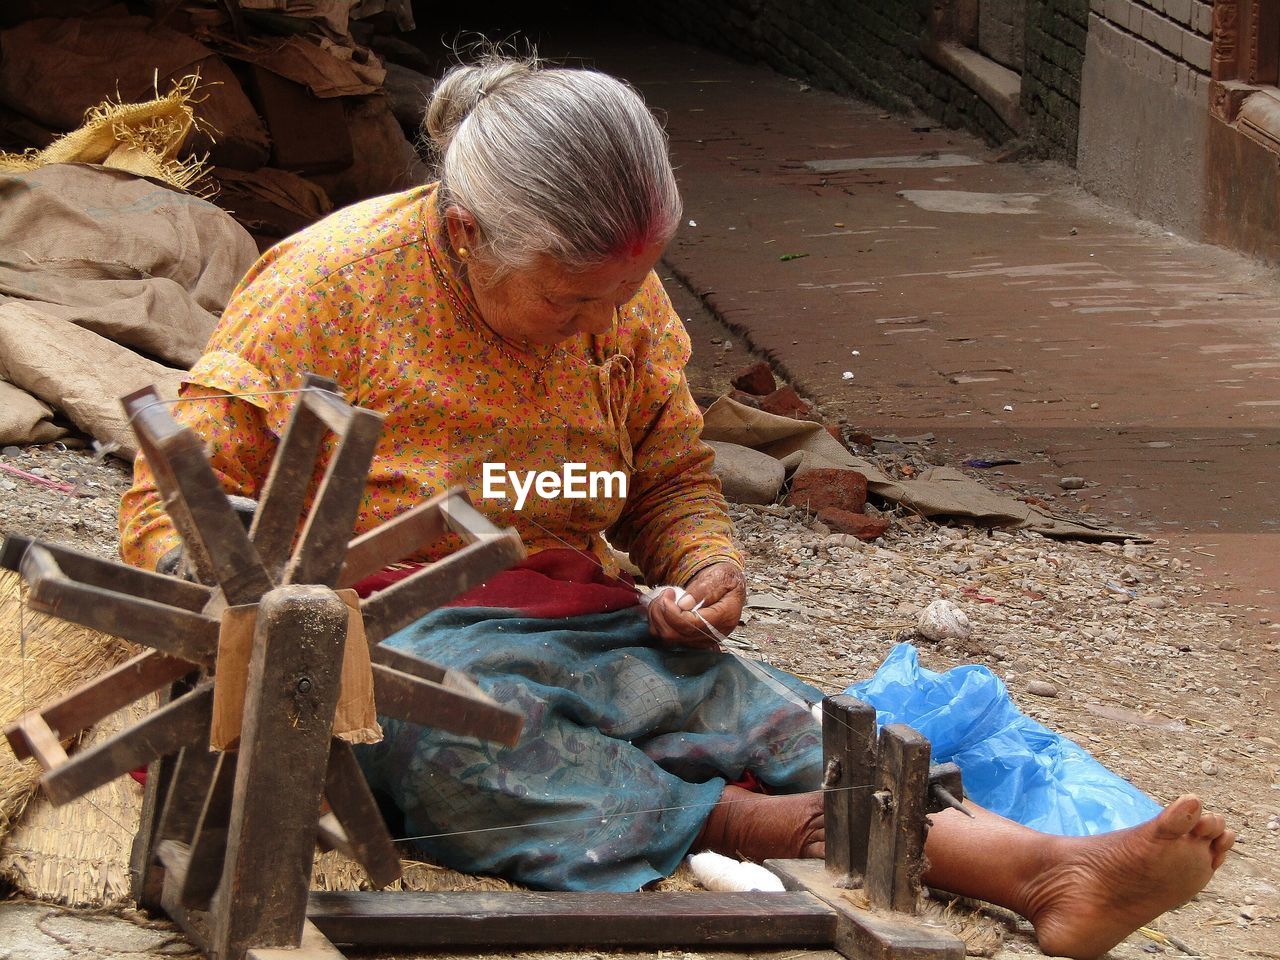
(1154, 682)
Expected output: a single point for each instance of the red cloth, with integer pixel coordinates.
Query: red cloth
(551, 583)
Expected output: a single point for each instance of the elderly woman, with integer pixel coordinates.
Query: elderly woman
(509, 314)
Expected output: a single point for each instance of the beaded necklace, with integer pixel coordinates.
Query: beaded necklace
(470, 317)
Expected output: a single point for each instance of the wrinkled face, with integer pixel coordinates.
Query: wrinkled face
(547, 303)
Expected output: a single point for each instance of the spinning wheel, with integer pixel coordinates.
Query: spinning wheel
(221, 823)
(227, 839)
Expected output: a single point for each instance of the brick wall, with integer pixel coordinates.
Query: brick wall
(871, 49)
(867, 48)
(1055, 44)
(1165, 39)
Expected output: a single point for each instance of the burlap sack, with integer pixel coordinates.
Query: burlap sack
(112, 274)
(24, 419)
(53, 71)
(79, 372)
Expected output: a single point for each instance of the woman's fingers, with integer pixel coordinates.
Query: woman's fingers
(679, 627)
(711, 604)
(722, 590)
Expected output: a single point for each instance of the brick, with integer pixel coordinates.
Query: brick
(757, 379)
(819, 489)
(1202, 18)
(1137, 16)
(1195, 50)
(785, 402)
(1179, 10)
(1150, 22)
(855, 524)
(1167, 35)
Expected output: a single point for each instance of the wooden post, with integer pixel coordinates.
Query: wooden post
(895, 852)
(291, 696)
(848, 744)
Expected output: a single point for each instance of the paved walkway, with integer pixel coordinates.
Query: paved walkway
(993, 304)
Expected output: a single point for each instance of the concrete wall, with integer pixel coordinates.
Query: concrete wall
(1144, 116)
(872, 49)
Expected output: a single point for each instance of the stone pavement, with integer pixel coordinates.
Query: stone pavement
(38, 931)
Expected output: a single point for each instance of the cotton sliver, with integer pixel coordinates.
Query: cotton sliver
(726, 875)
(648, 596)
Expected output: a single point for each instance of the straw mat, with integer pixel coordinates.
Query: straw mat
(41, 658)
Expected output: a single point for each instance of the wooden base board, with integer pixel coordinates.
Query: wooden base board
(861, 933)
(602, 920)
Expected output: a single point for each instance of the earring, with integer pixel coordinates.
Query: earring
(463, 252)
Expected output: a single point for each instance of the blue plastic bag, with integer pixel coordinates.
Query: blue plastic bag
(1011, 764)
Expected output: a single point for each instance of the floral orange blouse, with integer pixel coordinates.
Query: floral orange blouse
(354, 298)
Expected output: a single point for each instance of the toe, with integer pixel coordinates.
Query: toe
(1221, 844)
(1179, 817)
(1211, 825)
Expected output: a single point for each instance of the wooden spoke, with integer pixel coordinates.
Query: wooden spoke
(41, 742)
(466, 521)
(320, 552)
(191, 777)
(467, 712)
(408, 663)
(99, 698)
(284, 494)
(352, 803)
(209, 843)
(433, 586)
(117, 577)
(330, 835)
(212, 534)
(180, 633)
(146, 873)
(394, 540)
(334, 412)
(182, 723)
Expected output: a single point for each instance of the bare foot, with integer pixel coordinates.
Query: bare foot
(754, 826)
(1095, 891)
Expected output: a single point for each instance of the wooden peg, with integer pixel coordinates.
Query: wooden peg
(895, 851)
(848, 745)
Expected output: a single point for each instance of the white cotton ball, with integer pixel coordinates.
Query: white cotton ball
(648, 596)
(943, 620)
(726, 875)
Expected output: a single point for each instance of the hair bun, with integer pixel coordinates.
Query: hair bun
(460, 91)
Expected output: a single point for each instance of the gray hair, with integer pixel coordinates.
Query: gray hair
(564, 162)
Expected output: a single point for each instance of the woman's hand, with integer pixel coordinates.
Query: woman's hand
(721, 589)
